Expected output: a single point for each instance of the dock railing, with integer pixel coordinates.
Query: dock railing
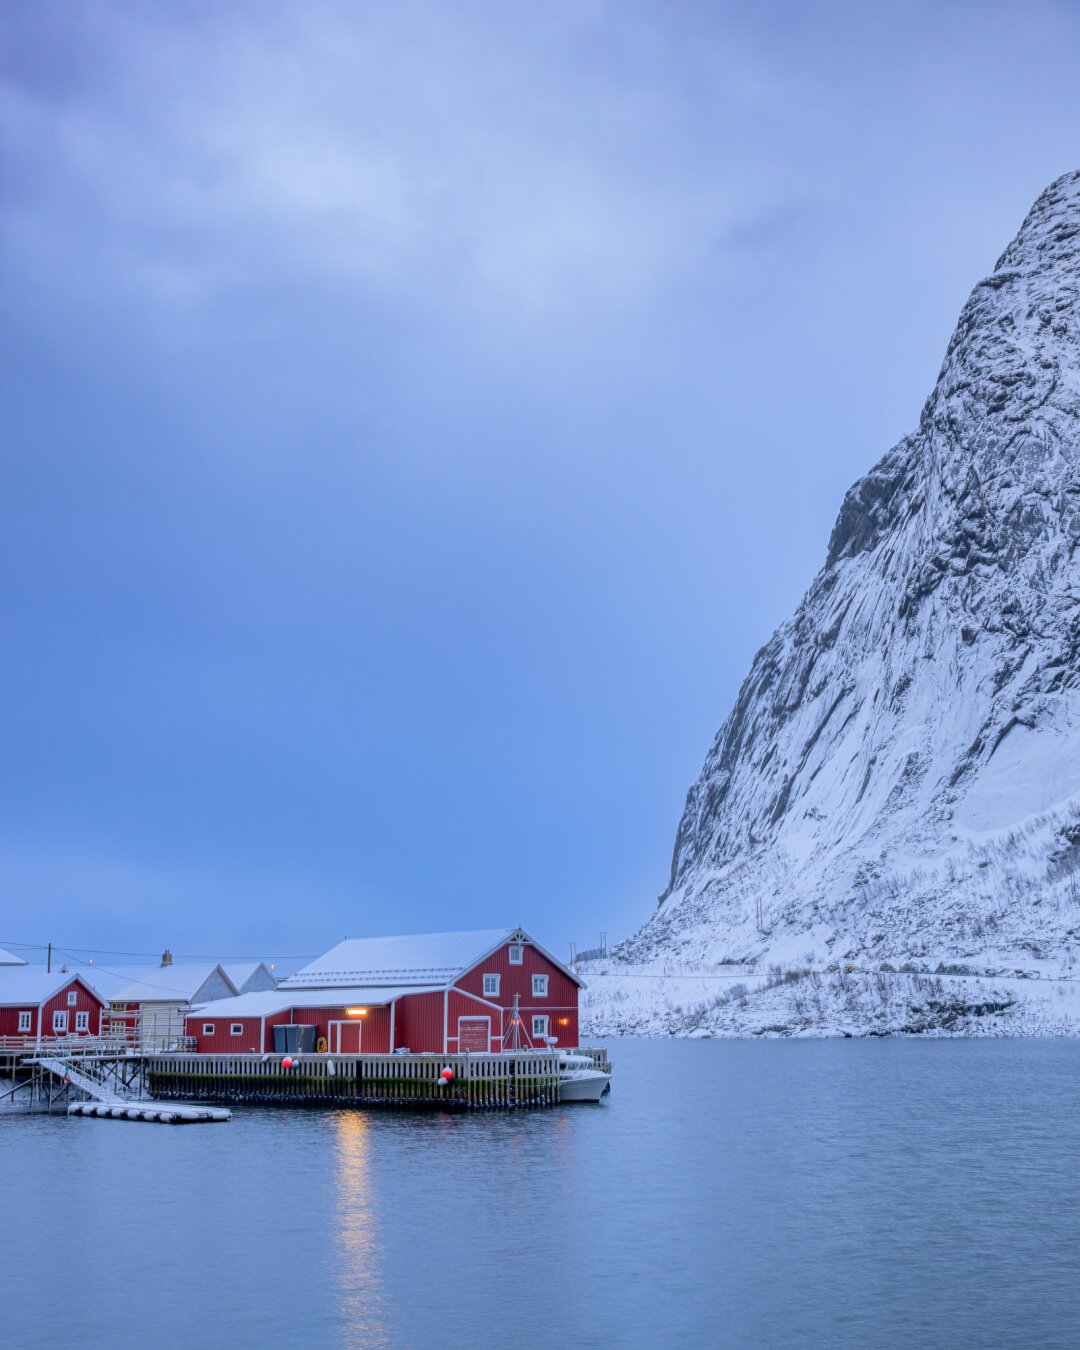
(71, 1044)
(598, 1055)
(508, 1080)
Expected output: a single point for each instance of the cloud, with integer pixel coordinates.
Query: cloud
(429, 155)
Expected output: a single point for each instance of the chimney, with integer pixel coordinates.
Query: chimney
(166, 957)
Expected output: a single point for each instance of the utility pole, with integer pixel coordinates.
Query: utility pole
(48, 961)
(603, 945)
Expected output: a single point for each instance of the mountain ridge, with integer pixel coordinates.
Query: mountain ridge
(896, 774)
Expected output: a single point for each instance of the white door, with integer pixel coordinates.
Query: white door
(474, 1035)
(345, 1037)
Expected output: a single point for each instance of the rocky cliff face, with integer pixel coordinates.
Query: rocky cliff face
(900, 774)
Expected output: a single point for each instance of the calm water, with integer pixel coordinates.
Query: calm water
(839, 1194)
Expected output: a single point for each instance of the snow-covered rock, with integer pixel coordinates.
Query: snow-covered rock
(900, 775)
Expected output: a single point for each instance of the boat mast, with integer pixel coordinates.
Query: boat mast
(513, 1038)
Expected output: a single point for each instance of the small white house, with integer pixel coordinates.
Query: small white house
(148, 1004)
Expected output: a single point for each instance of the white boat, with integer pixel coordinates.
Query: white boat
(580, 1080)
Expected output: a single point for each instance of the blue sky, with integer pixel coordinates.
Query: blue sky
(416, 416)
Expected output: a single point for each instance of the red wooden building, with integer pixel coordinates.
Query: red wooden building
(432, 992)
(37, 1005)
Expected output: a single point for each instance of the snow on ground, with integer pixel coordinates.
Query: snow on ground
(946, 999)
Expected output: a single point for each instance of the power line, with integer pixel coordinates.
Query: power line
(155, 955)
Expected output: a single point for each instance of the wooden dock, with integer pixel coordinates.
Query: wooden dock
(125, 1079)
(511, 1081)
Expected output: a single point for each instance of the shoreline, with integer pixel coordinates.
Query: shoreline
(800, 1002)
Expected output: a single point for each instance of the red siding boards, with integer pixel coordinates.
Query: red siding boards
(560, 1005)
(344, 1035)
(418, 1022)
(221, 1041)
(85, 1002)
(9, 1021)
(369, 1034)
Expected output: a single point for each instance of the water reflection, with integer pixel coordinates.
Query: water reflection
(363, 1314)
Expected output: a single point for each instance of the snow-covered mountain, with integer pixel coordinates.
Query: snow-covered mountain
(900, 775)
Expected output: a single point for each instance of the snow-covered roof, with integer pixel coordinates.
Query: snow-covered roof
(10, 959)
(265, 1003)
(28, 986)
(180, 982)
(239, 972)
(415, 959)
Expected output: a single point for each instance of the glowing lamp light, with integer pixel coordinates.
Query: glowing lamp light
(355, 1012)
(564, 1021)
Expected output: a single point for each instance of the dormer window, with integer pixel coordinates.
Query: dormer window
(517, 953)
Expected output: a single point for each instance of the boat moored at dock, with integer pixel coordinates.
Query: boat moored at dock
(581, 1079)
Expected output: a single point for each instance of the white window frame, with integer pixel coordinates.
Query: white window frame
(495, 981)
(517, 953)
(236, 1028)
(26, 1020)
(59, 1022)
(73, 997)
(208, 1028)
(82, 1020)
(540, 986)
(539, 1025)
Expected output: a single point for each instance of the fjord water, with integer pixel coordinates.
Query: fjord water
(779, 1194)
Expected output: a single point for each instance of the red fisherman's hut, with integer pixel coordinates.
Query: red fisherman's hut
(440, 993)
(41, 1007)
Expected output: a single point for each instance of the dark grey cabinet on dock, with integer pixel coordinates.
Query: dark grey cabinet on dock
(293, 1039)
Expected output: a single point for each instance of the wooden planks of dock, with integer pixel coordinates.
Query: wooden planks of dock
(509, 1081)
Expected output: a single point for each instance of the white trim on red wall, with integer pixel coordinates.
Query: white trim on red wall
(470, 1017)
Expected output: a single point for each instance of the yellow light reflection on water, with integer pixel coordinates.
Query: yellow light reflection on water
(358, 1259)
